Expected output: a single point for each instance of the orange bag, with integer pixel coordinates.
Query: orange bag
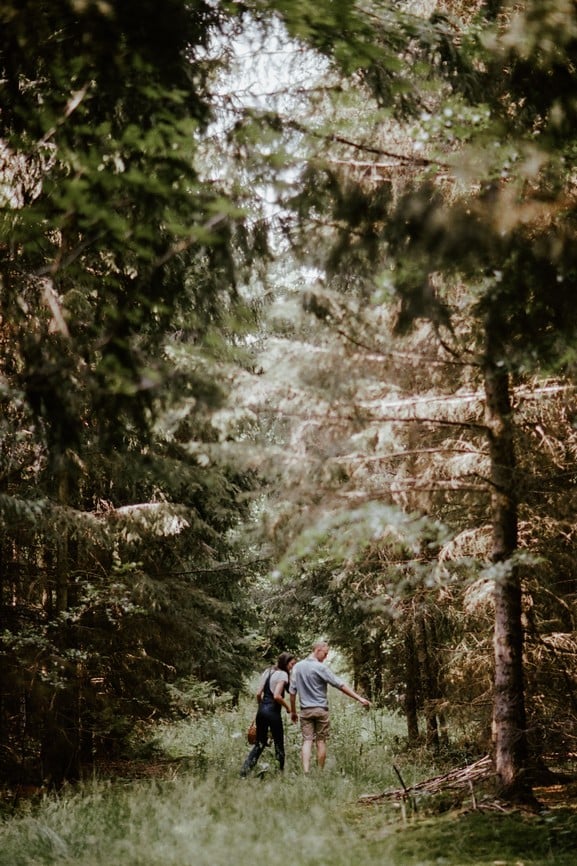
(251, 733)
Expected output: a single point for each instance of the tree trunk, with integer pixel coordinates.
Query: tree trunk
(509, 722)
(62, 564)
(412, 687)
(361, 680)
(440, 690)
(427, 683)
(60, 747)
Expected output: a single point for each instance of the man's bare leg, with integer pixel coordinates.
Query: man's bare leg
(321, 753)
(306, 754)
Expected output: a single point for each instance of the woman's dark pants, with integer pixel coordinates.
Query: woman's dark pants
(267, 718)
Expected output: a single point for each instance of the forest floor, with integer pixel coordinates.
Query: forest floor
(181, 802)
(560, 794)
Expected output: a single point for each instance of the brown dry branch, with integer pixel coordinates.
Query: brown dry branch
(462, 777)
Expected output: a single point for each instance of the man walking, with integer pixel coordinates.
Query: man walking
(310, 679)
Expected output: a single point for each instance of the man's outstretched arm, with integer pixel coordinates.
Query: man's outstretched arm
(352, 694)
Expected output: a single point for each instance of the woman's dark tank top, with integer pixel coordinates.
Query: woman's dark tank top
(268, 702)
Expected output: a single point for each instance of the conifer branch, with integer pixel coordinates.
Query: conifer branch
(405, 159)
(222, 566)
(393, 419)
(410, 160)
(404, 355)
(377, 458)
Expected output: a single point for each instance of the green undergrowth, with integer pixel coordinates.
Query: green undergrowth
(199, 811)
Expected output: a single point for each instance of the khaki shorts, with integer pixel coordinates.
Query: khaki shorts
(315, 723)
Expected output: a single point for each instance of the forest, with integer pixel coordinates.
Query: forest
(288, 349)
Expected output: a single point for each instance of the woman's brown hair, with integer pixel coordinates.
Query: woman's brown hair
(284, 661)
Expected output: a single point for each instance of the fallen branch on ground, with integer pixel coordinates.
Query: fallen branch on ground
(462, 777)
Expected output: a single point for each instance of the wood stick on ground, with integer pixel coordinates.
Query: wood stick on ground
(407, 795)
(461, 777)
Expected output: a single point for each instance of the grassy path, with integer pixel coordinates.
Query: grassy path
(203, 814)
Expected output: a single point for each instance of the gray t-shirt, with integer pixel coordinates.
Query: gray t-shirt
(275, 678)
(310, 679)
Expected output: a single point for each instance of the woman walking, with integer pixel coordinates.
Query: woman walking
(270, 696)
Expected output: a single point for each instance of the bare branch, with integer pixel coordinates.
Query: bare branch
(71, 106)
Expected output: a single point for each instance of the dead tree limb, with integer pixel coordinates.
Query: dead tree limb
(462, 777)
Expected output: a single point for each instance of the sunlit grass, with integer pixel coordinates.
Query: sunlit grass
(201, 812)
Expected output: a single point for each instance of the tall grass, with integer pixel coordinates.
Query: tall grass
(203, 813)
